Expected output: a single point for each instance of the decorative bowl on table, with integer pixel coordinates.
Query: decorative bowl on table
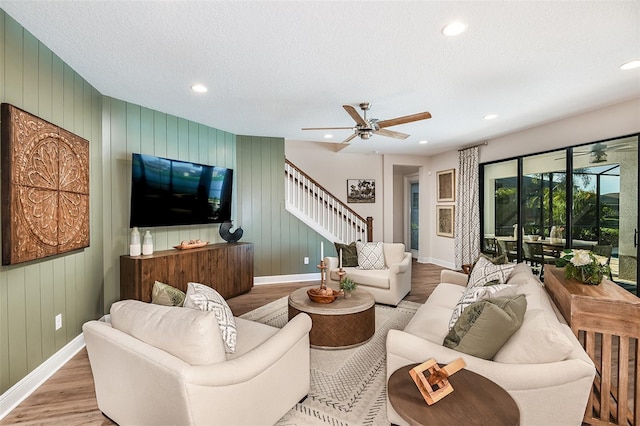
(322, 295)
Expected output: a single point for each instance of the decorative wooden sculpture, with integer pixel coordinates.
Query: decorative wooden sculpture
(434, 384)
(45, 188)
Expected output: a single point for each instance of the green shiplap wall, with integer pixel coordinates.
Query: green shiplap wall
(281, 240)
(82, 285)
(31, 294)
(129, 128)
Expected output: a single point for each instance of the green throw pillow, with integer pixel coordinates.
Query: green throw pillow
(164, 294)
(349, 254)
(486, 325)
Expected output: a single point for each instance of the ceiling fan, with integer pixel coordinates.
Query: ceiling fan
(365, 128)
(598, 152)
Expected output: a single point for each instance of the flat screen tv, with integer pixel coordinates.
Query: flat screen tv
(168, 192)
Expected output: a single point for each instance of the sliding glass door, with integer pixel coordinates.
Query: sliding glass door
(535, 206)
(605, 204)
(500, 212)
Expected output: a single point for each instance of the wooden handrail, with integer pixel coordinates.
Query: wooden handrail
(325, 202)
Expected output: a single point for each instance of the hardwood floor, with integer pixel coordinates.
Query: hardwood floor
(68, 397)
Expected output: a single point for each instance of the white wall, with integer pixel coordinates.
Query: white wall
(399, 221)
(616, 120)
(440, 249)
(331, 169)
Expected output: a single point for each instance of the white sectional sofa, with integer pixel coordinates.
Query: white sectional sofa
(542, 366)
(389, 285)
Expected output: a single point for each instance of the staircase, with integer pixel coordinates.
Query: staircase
(320, 210)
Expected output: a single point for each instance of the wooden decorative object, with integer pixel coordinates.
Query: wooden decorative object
(322, 294)
(191, 244)
(45, 188)
(435, 385)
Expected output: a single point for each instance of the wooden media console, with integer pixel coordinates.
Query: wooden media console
(226, 267)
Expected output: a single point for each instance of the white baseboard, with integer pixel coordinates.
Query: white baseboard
(25, 387)
(281, 279)
(438, 262)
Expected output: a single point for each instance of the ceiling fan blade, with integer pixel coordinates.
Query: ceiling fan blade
(328, 128)
(347, 140)
(403, 120)
(354, 114)
(391, 134)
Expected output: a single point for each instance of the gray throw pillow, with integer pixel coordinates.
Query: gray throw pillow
(485, 271)
(370, 255)
(205, 298)
(485, 326)
(472, 294)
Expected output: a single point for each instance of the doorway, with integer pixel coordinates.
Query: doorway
(414, 217)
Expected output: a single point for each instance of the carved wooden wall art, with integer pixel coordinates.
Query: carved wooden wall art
(45, 188)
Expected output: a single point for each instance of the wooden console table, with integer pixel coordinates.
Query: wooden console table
(606, 320)
(226, 267)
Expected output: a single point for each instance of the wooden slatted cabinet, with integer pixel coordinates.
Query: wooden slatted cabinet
(226, 267)
(606, 320)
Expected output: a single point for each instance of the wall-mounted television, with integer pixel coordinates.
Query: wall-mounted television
(167, 192)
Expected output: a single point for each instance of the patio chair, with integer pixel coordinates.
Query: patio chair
(535, 255)
(604, 250)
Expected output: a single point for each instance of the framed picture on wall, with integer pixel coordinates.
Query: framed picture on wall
(446, 185)
(444, 218)
(361, 190)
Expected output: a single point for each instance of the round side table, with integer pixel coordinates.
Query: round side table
(475, 400)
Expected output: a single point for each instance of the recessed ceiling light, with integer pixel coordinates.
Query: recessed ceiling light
(490, 116)
(199, 88)
(630, 65)
(328, 136)
(454, 29)
(422, 142)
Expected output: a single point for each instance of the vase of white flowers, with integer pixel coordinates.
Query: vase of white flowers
(583, 265)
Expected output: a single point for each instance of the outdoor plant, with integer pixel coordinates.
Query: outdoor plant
(583, 265)
(348, 284)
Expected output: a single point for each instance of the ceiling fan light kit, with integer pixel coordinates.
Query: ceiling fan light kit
(366, 128)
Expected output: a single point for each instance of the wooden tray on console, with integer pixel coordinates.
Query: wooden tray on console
(191, 246)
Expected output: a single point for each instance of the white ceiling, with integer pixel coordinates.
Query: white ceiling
(275, 67)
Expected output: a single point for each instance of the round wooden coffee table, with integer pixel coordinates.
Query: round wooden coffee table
(344, 323)
(475, 400)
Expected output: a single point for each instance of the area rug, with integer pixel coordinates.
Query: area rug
(348, 387)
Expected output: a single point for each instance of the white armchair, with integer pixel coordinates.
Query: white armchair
(175, 370)
(388, 286)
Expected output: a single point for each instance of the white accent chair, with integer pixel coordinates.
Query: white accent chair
(388, 286)
(160, 365)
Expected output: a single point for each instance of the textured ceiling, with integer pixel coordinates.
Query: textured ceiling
(274, 67)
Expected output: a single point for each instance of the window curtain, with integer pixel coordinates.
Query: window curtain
(467, 228)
